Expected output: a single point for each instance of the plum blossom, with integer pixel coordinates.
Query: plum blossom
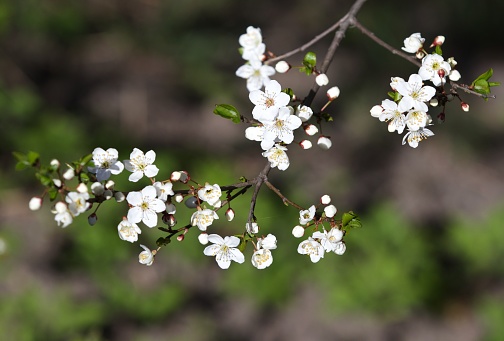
(145, 206)
(262, 257)
(163, 189)
(312, 248)
(146, 257)
(105, 163)
(128, 231)
(77, 202)
(211, 194)
(62, 215)
(306, 216)
(203, 218)
(251, 42)
(432, 64)
(256, 73)
(279, 128)
(141, 164)
(414, 137)
(416, 119)
(393, 114)
(414, 94)
(277, 157)
(268, 102)
(413, 43)
(224, 250)
(329, 240)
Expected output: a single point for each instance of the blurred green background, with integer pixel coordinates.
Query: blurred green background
(427, 265)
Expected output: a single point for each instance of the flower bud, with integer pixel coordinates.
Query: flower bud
(191, 202)
(108, 194)
(203, 238)
(119, 196)
(310, 130)
(97, 188)
(441, 73)
(322, 79)
(55, 164)
(92, 219)
(178, 197)
(69, 174)
(420, 54)
(82, 188)
(282, 66)
(181, 176)
(305, 144)
(452, 62)
(325, 199)
(180, 237)
(438, 41)
(110, 184)
(464, 106)
(434, 102)
(35, 203)
(333, 93)
(56, 182)
(413, 43)
(324, 142)
(60, 207)
(330, 211)
(230, 214)
(298, 231)
(304, 112)
(169, 219)
(252, 228)
(170, 208)
(454, 75)
(376, 110)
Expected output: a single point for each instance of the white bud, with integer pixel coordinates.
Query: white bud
(452, 62)
(325, 199)
(322, 79)
(82, 188)
(110, 184)
(454, 75)
(97, 188)
(175, 176)
(311, 130)
(252, 228)
(438, 41)
(434, 102)
(230, 214)
(60, 207)
(57, 182)
(324, 142)
(108, 194)
(305, 144)
(55, 163)
(330, 211)
(282, 66)
(119, 196)
(203, 238)
(298, 231)
(69, 174)
(333, 93)
(304, 112)
(464, 106)
(181, 176)
(35, 203)
(420, 54)
(170, 208)
(376, 111)
(178, 197)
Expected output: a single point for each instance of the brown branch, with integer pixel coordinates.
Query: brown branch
(263, 176)
(466, 88)
(283, 197)
(380, 42)
(344, 24)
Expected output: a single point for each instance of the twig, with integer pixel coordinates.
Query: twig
(263, 176)
(283, 197)
(465, 88)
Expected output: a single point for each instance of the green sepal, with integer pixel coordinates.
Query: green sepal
(53, 193)
(289, 92)
(327, 117)
(227, 111)
(84, 177)
(438, 50)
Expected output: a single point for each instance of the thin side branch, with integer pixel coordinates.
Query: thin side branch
(283, 197)
(465, 88)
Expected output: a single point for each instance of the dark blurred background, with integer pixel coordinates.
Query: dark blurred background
(427, 265)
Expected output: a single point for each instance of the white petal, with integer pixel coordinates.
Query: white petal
(135, 215)
(150, 218)
(151, 171)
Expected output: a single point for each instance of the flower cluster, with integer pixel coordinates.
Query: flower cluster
(409, 106)
(252, 49)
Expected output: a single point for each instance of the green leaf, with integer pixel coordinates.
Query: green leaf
(53, 193)
(84, 177)
(21, 165)
(394, 95)
(32, 158)
(308, 71)
(481, 84)
(227, 111)
(289, 92)
(350, 220)
(310, 60)
(243, 244)
(19, 156)
(162, 241)
(347, 217)
(438, 50)
(486, 76)
(44, 179)
(85, 159)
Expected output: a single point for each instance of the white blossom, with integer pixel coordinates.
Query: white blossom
(105, 163)
(163, 189)
(304, 112)
(329, 240)
(306, 216)
(203, 218)
(128, 231)
(416, 119)
(62, 215)
(141, 164)
(268, 102)
(224, 250)
(312, 248)
(393, 114)
(414, 94)
(144, 206)
(256, 73)
(146, 257)
(413, 43)
(77, 202)
(262, 258)
(414, 137)
(431, 65)
(210, 194)
(252, 44)
(277, 157)
(252, 228)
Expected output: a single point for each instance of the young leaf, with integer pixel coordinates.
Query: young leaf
(310, 60)
(227, 111)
